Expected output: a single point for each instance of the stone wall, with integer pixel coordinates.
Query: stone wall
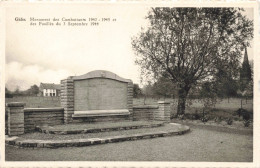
(22, 120)
(42, 116)
(67, 99)
(15, 113)
(144, 112)
(130, 95)
(160, 112)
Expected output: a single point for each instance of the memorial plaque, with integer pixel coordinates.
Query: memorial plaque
(99, 94)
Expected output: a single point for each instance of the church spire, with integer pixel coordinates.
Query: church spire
(245, 72)
(245, 56)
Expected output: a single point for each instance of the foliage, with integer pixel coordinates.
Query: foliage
(229, 121)
(190, 44)
(196, 116)
(137, 91)
(164, 87)
(32, 91)
(208, 94)
(8, 93)
(225, 83)
(244, 113)
(249, 89)
(246, 123)
(204, 119)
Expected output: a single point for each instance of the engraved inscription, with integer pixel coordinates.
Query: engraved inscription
(99, 94)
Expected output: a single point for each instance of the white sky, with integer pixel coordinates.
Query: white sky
(49, 54)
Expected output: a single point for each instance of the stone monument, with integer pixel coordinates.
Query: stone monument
(96, 96)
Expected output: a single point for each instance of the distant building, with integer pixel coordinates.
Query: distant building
(50, 89)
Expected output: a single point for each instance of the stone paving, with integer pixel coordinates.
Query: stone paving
(177, 129)
(95, 128)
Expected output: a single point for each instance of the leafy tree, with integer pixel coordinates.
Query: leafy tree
(208, 94)
(164, 87)
(189, 44)
(8, 93)
(137, 91)
(225, 84)
(34, 90)
(148, 91)
(17, 92)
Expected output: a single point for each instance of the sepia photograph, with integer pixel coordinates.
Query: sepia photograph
(130, 83)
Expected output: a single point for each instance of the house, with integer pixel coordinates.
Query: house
(50, 89)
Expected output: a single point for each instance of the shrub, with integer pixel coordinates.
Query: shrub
(188, 116)
(174, 116)
(218, 119)
(246, 123)
(241, 112)
(246, 116)
(204, 119)
(181, 116)
(229, 121)
(196, 116)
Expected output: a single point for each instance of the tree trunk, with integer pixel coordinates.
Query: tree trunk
(183, 92)
(181, 105)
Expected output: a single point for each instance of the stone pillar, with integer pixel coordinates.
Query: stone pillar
(130, 94)
(163, 112)
(67, 99)
(15, 118)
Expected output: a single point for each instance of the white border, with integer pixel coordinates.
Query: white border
(199, 3)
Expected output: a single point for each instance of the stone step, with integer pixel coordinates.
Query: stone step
(98, 127)
(36, 143)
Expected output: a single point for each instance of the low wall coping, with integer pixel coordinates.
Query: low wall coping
(163, 102)
(15, 104)
(145, 106)
(43, 109)
(94, 113)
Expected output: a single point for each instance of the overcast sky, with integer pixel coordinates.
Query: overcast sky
(48, 54)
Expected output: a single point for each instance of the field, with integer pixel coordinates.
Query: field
(226, 104)
(224, 108)
(36, 101)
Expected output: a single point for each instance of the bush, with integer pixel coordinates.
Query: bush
(174, 116)
(218, 119)
(204, 119)
(229, 121)
(196, 116)
(246, 123)
(181, 116)
(188, 116)
(246, 116)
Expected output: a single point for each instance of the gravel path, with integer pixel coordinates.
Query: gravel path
(201, 144)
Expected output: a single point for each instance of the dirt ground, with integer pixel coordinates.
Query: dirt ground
(203, 143)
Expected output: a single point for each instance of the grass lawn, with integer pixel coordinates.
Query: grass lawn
(224, 108)
(201, 144)
(231, 104)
